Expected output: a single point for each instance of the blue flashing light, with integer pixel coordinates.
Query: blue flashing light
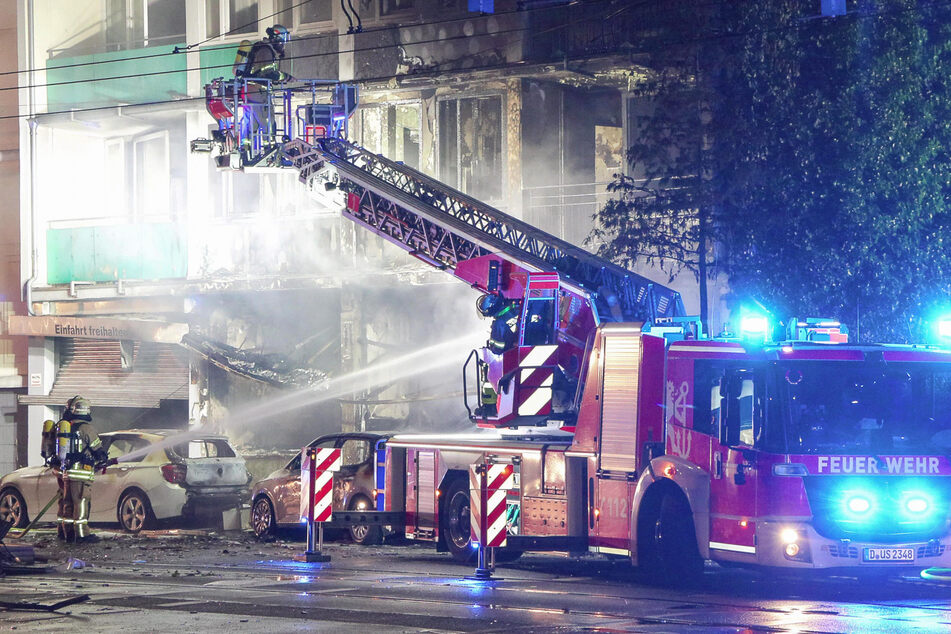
(859, 504)
(755, 327)
(917, 505)
(944, 328)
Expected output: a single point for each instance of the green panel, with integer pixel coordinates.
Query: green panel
(107, 253)
(157, 74)
(217, 61)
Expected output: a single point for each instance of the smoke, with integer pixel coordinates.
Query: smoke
(272, 411)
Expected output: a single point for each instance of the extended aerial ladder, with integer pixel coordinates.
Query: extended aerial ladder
(546, 296)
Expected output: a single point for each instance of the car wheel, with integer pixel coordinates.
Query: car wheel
(13, 508)
(455, 522)
(262, 518)
(135, 511)
(365, 534)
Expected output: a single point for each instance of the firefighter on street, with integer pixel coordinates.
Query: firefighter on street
(79, 453)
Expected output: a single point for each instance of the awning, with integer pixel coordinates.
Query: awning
(94, 369)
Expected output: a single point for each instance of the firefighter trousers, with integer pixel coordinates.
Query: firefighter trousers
(74, 507)
(64, 512)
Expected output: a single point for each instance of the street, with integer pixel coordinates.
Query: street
(202, 580)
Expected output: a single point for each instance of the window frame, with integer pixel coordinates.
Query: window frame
(503, 141)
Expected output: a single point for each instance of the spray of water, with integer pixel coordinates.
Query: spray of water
(426, 359)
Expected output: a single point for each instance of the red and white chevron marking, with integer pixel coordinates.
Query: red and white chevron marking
(536, 375)
(487, 503)
(323, 496)
(317, 482)
(327, 460)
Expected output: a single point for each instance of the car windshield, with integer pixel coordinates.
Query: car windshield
(865, 407)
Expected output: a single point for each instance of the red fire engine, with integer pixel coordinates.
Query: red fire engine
(631, 432)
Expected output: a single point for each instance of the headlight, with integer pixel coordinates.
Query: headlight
(859, 504)
(917, 503)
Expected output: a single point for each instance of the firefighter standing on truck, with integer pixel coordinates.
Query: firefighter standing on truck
(79, 453)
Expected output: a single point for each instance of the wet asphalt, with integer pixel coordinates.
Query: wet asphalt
(202, 580)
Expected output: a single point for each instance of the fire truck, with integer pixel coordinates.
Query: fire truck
(629, 430)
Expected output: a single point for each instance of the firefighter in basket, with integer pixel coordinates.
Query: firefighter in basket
(79, 453)
(260, 65)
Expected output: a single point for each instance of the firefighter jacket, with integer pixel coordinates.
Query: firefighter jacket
(83, 449)
(264, 62)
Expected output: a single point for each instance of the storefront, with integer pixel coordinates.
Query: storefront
(134, 372)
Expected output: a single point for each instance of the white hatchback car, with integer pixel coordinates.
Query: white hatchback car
(202, 473)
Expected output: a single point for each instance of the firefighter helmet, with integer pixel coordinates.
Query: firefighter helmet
(489, 305)
(79, 406)
(278, 33)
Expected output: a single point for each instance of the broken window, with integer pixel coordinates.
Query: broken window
(470, 145)
(391, 130)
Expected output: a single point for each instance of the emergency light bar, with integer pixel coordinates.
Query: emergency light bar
(676, 328)
(817, 329)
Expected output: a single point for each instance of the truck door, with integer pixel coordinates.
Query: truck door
(733, 469)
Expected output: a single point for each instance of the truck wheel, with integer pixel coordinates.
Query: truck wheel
(262, 519)
(13, 508)
(365, 534)
(672, 548)
(454, 522)
(135, 511)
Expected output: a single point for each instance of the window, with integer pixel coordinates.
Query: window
(138, 23)
(391, 130)
(725, 393)
(294, 464)
(307, 13)
(389, 7)
(123, 445)
(470, 145)
(230, 16)
(539, 322)
(151, 175)
(707, 399)
(354, 452)
(204, 448)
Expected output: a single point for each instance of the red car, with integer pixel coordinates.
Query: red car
(358, 485)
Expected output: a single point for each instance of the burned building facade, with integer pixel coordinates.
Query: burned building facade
(521, 104)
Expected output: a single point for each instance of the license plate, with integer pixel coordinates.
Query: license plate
(883, 555)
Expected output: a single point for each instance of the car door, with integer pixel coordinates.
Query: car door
(117, 478)
(287, 489)
(38, 486)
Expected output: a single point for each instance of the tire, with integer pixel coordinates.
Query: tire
(454, 522)
(672, 542)
(13, 508)
(135, 511)
(365, 534)
(262, 519)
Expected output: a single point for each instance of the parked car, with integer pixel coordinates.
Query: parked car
(276, 500)
(203, 473)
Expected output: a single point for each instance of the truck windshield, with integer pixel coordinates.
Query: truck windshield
(865, 407)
